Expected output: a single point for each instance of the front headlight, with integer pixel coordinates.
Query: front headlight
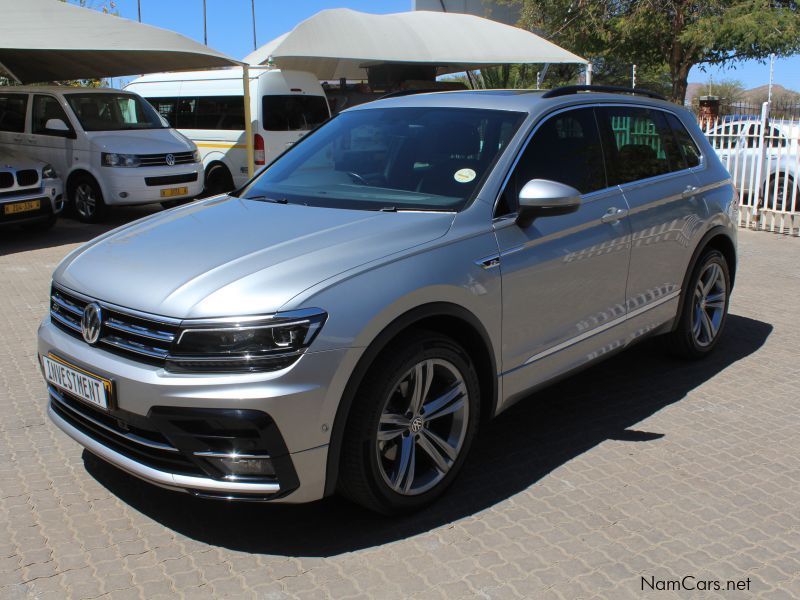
(112, 159)
(48, 172)
(245, 344)
(196, 156)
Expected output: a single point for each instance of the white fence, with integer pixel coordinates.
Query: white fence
(762, 155)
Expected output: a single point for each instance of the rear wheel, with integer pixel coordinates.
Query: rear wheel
(783, 196)
(87, 199)
(411, 425)
(705, 308)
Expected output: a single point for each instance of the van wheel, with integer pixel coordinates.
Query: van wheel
(87, 199)
(218, 180)
(411, 425)
(705, 308)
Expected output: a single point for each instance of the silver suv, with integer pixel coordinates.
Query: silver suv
(413, 267)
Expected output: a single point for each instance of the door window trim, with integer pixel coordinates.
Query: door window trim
(66, 134)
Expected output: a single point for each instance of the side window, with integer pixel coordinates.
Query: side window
(775, 139)
(44, 109)
(185, 115)
(220, 112)
(689, 151)
(293, 113)
(565, 148)
(642, 144)
(13, 108)
(166, 108)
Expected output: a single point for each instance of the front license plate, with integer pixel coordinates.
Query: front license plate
(18, 207)
(170, 192)
(89, 387)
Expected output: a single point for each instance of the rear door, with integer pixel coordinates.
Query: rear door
(661, 189)
(563, 277)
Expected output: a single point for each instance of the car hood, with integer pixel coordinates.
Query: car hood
(227, 256)
(140, 141)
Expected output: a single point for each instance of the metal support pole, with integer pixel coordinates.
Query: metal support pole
(139, 6)
(205, 27)
(253, 14)
(633, 77)
(771, 76)
(762, 155)
(588, 73)
(248, 123)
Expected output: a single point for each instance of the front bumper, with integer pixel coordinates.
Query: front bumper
(297, 405)
(50, 195)
(130, 185)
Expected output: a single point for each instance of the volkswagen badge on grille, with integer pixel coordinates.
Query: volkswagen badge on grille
(91, 322)
(170, 159)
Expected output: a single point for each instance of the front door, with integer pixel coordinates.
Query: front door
(563, 277)
(54, 147)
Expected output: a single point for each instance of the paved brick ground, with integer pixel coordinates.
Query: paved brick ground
(642, 466)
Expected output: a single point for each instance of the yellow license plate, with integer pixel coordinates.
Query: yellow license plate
(18, 207)
(170, 192)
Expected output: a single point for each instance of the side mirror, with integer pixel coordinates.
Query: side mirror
(56, 125)
(545, 198)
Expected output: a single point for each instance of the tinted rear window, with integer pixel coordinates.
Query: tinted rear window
(293, 113)
(12, 112)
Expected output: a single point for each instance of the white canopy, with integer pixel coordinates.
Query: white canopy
(341, 42)
(47, 40)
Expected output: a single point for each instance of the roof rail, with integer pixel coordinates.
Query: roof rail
(613, 89)
(409, 92)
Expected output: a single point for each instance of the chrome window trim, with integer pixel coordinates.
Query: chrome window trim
(595, 104)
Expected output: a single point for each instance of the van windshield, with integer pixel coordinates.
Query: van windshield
(113, 112)
(390, 159)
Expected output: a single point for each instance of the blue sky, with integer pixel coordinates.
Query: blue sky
(230, 29)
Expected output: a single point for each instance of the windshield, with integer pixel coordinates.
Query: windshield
(390, 159)
(113, 112)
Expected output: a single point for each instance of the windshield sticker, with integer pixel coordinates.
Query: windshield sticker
(464, 175)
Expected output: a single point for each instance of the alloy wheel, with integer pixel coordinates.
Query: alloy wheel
(709, 304)
(422, 427)
(85, 200)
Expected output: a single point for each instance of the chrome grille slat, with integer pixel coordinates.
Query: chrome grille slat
(153, 160)
(74, 309)
(56, 395)
(135, 347)
(66, 321)
(145, 332)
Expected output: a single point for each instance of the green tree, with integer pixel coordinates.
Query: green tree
(666, 37)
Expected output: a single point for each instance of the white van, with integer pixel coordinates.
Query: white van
(208, 108)
(108, 146)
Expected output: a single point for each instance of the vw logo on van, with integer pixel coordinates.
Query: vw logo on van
(170, 160)
(91, 323)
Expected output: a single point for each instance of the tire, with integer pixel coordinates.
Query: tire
(218, 180)
(705, 308)
(41, 226)
(782, 199)
(86, 199)
(408, 468)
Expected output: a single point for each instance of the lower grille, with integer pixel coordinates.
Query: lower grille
(147, 447)
(168, 179)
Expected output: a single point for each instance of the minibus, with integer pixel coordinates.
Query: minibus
(208, 108)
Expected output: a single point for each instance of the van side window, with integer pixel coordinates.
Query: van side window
(566, 148)
(166, 108)
(13, 108)
(293, 113)
(44, 109)
(642, 144)
(689, 151)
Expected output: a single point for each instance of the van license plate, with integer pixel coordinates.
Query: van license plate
(18, 207)
(170, 192)
(90, 388)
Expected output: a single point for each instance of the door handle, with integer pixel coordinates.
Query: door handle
(613, 215)
(690, 190)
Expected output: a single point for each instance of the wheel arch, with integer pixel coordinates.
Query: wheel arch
(717, 238)
(443, 317)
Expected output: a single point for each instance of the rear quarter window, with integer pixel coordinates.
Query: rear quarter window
(689, 150)
(293, 112)
(13, 108)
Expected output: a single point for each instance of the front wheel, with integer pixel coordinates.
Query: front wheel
(411, 425)
(705, 308)
(87, 199)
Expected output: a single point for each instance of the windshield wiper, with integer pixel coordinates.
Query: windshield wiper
(266, 199)
(411, 209)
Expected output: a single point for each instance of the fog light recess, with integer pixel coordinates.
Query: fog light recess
(236, 466)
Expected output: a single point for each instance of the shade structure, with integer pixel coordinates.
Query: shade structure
(341, 42)
(48, 40)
